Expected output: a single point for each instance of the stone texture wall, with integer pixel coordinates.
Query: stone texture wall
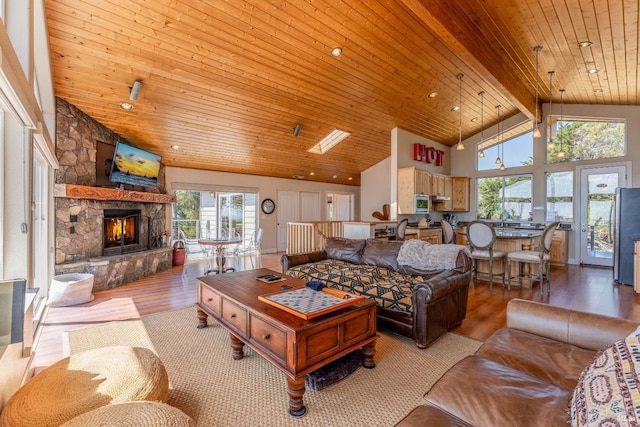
(79, 243)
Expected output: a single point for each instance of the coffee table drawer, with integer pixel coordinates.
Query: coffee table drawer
(210, 299)
(269, 337)
(234, 315)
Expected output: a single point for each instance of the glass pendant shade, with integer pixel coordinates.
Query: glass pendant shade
(537, 133)
(502, 167)
(498, 160)
(481, 153)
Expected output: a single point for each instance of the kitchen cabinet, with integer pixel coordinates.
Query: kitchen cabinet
(437, 182)
(411, 181)
(460, 193)
(431, 235)
(559, 251)
(461, 235)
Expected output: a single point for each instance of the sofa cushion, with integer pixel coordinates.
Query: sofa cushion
(550, 360)
(383, 253)
(608, 391)
(486, 393)
(349, 250)
(386, 287)
(432, 416)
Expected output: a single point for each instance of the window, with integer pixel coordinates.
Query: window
(505, 197)
(514, 152)
(586, 139)
(205, 214)
(560, 196)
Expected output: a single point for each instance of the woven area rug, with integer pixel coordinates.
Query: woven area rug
(207, 384)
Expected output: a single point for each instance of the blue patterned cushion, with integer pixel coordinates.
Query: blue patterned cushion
(387, 288)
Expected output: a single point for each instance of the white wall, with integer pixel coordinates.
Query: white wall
(267, 188)
(375, 183)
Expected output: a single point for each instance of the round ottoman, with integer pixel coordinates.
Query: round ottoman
(86, 381)
(133, 414)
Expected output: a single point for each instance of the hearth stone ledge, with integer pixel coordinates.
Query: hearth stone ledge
(113, 271)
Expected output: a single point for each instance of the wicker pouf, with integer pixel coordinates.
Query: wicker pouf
(85, 381)
(133, 414)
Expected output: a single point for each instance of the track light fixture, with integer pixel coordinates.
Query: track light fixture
(135, 90)
(296, 130)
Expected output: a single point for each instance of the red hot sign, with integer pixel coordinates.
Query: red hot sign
(422, 153)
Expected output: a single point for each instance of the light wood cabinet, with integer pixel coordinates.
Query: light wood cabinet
(559, 251)
(431, 235)
(448, 193)
(411, 181)
(460, 193)
(461, 235)
(437, 183)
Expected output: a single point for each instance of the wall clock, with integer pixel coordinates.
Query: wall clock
(268, 206)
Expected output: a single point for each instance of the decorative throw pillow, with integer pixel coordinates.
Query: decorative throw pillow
(608, 391)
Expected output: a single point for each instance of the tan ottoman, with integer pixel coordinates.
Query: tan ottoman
(85, 381)
(133, 414)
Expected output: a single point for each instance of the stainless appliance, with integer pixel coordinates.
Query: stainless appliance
(421, 203)
(626, 227)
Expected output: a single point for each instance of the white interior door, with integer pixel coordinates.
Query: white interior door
(309, 206)
(342, 207)
(40, 230)
(288, 211)
(597, 191)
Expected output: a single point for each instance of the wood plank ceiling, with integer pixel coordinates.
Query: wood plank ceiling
(228, 80)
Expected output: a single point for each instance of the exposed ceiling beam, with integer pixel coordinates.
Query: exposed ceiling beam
(489, 58)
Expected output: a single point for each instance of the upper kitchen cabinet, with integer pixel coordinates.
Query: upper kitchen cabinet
(438, 184)
(460, 193)
(411, 181)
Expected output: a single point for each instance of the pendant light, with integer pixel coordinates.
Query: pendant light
(481, 152)
(561, 153)
(460, 146)
(550, 144)
(536, 130)
(502, 166)
(498, 159)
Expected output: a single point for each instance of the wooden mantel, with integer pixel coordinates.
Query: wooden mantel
(73, 191)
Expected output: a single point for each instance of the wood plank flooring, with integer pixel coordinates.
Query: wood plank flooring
(580, 288)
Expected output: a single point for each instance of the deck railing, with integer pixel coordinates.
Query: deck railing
(310, 236)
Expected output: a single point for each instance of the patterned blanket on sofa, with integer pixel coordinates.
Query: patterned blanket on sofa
(386, 287)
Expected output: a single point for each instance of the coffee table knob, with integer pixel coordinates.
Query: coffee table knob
(266, 336)
(233, 315)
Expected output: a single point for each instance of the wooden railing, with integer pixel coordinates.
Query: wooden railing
(310, 236)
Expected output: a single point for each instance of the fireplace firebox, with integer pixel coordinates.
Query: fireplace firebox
(123, 232)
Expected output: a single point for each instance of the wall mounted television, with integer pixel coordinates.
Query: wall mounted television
(134, 166)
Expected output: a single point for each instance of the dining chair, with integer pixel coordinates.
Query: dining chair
(482, 236)
(540, 257)
(401, 229)
(253, 247)
(447, 232)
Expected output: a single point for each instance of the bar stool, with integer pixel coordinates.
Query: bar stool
(540, 257)
(482, 236)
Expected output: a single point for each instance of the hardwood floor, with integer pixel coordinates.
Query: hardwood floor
(580, 288)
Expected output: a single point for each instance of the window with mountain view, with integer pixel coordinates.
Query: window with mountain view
(586, 139)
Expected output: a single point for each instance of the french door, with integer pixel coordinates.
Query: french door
(597, 190)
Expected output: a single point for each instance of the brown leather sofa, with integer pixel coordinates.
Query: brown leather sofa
(420, 304)
(523, 375)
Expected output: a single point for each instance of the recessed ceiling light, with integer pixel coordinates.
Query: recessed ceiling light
(175, 147)
(475, 119)
(127, 106)
(433, 94)
(598, 90)
(585, 43)
(335, 176)
(312, 173)
(456, 108)
(336, 51)
(350, 178)
(593, 71)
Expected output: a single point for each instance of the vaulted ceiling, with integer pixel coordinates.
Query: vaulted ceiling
(228, 80)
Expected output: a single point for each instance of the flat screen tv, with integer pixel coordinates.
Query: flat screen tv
(134, 166)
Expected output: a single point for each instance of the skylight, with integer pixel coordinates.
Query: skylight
(329, 141)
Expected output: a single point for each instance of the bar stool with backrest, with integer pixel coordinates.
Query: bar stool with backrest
(482, 236)
(447, 232)
(401, 229)
(540, 257)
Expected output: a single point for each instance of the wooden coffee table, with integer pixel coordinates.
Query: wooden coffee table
(294, 345)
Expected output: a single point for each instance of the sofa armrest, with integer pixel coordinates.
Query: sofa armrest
(585, 330)
(440, 285)
(292, 260)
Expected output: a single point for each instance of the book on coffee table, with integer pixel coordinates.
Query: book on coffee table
(307, 303)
